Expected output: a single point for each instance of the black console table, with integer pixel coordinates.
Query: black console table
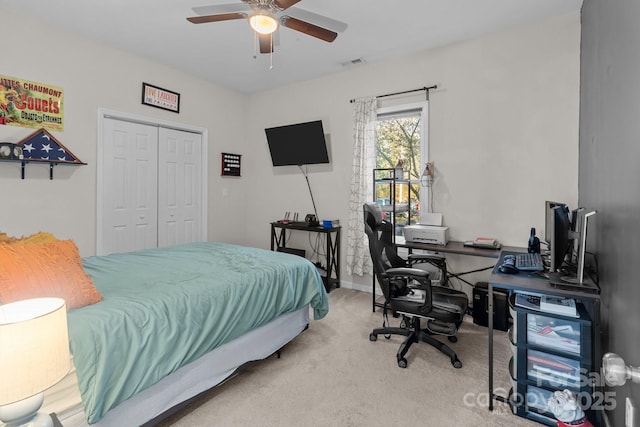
(331, 278)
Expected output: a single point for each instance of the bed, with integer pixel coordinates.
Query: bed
(174, 322)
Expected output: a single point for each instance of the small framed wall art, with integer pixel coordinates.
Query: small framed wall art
(230, 164)
(160, 98)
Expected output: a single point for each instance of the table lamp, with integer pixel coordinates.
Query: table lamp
(34, 355)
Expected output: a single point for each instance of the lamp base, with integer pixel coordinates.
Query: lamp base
(24, 413)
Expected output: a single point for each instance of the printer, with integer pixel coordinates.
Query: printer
(421, 233)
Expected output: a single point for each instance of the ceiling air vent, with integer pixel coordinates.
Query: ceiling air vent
(356, 61)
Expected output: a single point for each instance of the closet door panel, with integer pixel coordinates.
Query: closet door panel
(179, 187)
(129, 187)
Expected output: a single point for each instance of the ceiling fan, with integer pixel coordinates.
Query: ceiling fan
(265, 16)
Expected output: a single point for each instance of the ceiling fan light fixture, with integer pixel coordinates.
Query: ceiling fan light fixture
(263, 23)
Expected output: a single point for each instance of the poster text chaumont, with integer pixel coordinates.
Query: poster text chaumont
(30, 104)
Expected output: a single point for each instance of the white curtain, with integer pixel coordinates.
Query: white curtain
(364, 118)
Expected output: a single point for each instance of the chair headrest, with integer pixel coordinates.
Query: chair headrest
(372, 214)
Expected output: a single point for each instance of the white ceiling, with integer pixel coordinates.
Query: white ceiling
(223, 52)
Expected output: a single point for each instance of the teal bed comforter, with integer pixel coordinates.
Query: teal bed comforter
(164, 308)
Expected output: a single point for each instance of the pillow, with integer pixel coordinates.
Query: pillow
(39, 237)
(4, 237)
(52, 269)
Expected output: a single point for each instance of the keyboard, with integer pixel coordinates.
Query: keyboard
(529, 262)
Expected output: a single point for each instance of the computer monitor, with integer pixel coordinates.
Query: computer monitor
(559, 245)
(580, 244)
(548, 219)
(577, 217)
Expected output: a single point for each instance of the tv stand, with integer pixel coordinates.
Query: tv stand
(331, 277)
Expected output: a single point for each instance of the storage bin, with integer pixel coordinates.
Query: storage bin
(553, 333)
(553, 371)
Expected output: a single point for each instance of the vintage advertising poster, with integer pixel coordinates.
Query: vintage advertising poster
(30, 104)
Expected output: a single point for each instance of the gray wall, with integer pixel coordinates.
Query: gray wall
(609, 172)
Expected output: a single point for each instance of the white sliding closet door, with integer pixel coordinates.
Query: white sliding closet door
(151, 187)
(129, 187)
(179, 187)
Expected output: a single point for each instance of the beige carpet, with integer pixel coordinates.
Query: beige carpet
(332, 375)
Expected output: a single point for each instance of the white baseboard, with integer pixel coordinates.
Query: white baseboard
(358, 287)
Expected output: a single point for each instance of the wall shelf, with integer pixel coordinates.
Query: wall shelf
(41, 147)
(51, 163)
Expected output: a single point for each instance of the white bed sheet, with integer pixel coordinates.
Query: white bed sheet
(187, 382)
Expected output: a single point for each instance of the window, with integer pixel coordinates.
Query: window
(402, 137)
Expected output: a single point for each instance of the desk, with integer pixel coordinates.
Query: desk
(458, 248)
(536, 284)
(332, 254)
(455, 247)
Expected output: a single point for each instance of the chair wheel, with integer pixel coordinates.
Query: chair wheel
(373, 337)
(456, 363)
(402, 363)
(452, 338)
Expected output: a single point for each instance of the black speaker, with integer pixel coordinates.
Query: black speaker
(481, 307)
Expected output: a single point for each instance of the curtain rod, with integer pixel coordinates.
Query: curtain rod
(403, 92)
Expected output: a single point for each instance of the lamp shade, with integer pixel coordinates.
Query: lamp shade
(34, 347)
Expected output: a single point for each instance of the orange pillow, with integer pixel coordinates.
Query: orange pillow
(4, 237)
(52, 269)
(39, 237)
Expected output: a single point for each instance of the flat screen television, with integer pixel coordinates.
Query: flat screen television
(297, 144)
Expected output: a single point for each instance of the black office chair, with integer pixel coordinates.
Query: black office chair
(408, 292)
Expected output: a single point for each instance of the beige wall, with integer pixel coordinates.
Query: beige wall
(503, 135)
(94, 76)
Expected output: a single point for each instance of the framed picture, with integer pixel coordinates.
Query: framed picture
(160, 98)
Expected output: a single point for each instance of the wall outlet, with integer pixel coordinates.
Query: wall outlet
(629, 414)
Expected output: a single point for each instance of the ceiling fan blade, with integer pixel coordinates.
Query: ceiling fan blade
(216, 18)
(309, 28)
(284, 4)
(221, 8)
(266, 45)
(317, 19)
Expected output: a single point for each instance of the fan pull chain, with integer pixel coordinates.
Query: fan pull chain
(256, 42)
(271, 53)
(255, 45)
